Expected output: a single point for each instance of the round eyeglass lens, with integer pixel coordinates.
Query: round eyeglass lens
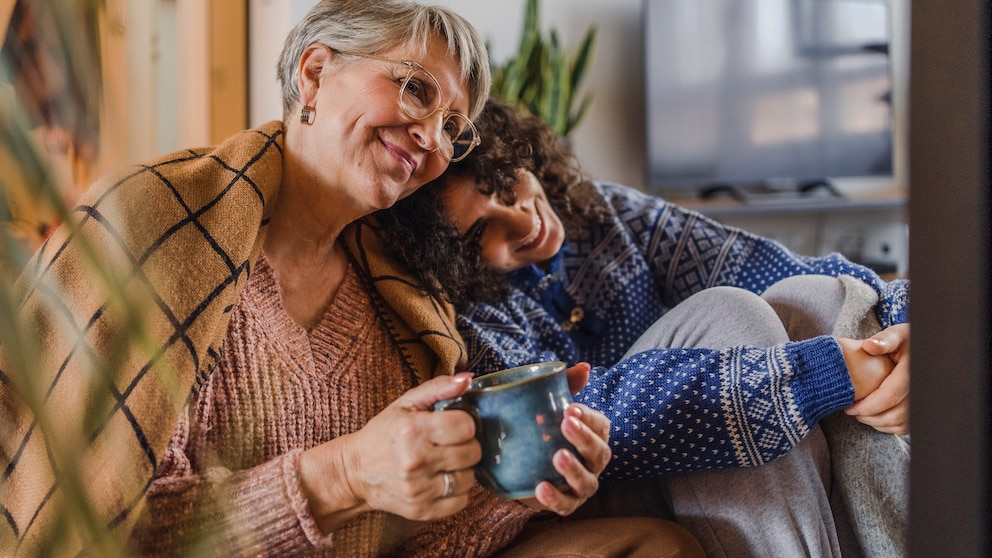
(420, 97)
(420, 94)
(463, 135)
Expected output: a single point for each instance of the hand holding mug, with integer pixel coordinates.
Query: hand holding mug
(589, 431)
(536, 444)
(407, 460)
(592, 442)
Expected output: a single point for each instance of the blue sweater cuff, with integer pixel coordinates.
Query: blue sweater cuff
(821, 384)
(894, 306)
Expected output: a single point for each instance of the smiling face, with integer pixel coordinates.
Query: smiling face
(510, 237)
(362, 148)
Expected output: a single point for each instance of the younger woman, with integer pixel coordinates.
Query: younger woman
(693, 367)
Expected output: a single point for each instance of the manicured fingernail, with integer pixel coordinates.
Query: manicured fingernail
(574, 423)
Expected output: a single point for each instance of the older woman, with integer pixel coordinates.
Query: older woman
(309, 429)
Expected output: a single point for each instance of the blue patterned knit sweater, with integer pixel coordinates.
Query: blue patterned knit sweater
(672, 409)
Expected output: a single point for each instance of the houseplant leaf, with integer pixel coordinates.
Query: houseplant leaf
(542, 77)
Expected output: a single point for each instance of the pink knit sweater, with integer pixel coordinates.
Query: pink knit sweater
(229, 485)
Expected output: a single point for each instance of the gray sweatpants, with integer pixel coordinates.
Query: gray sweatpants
(783, 508)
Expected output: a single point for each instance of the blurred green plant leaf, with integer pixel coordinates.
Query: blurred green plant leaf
(51, 79)
(543, 78)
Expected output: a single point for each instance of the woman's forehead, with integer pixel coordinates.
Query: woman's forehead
(460, 190)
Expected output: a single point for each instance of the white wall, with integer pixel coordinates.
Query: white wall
(610, 141)
(268, 23)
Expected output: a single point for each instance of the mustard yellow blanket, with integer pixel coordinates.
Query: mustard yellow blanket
(119, 347)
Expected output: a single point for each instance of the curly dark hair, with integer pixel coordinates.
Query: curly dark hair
(431, 246)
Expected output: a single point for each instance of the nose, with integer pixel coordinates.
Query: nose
(428, 131)
(517, 221)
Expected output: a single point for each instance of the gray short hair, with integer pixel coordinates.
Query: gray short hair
(370, 27)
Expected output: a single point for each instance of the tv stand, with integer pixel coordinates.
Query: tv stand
(765, 193)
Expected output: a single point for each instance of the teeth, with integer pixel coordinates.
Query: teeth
(537, 231)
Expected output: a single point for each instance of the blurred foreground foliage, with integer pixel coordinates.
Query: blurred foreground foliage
(50, 102)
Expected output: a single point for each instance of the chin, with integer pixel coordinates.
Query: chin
(386, 195)
(556, 242)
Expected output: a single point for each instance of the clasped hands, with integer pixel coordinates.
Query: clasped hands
(879, 369)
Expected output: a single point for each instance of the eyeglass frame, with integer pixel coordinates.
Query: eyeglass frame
(413, 66)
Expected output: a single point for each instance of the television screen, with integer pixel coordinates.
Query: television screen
(779, 93)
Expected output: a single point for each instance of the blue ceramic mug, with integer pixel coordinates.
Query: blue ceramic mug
(518, 414)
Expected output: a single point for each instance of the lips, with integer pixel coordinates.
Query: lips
(402, 155)
(535, 238)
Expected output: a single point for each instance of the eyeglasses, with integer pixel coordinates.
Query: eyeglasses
(420, 98)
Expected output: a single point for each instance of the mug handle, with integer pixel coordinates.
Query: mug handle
(459, 404)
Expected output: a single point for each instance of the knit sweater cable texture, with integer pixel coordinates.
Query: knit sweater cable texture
(230, 478)
(676, 409)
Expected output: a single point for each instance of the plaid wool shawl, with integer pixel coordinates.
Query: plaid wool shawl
(118, 347)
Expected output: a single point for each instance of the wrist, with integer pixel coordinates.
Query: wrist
(821, 383)
(866, 370)
(324, 480)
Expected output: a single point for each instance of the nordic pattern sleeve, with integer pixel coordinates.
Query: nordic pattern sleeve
(690, 252)
(678, 410)
(738, 407)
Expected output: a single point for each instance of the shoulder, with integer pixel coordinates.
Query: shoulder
(240, 152)
(249, 161)
(625, 198)
(633, 208)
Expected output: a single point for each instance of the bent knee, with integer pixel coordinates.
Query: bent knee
(744, 317)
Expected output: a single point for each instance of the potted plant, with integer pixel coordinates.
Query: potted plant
(544, 78)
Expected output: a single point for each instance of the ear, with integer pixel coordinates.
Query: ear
(312, 62)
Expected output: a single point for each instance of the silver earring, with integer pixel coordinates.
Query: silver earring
(307, 114)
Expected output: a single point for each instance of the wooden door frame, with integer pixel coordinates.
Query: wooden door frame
(228, 43)
(950, 250)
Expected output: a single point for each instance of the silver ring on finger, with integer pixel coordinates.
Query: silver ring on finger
(449, 485)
